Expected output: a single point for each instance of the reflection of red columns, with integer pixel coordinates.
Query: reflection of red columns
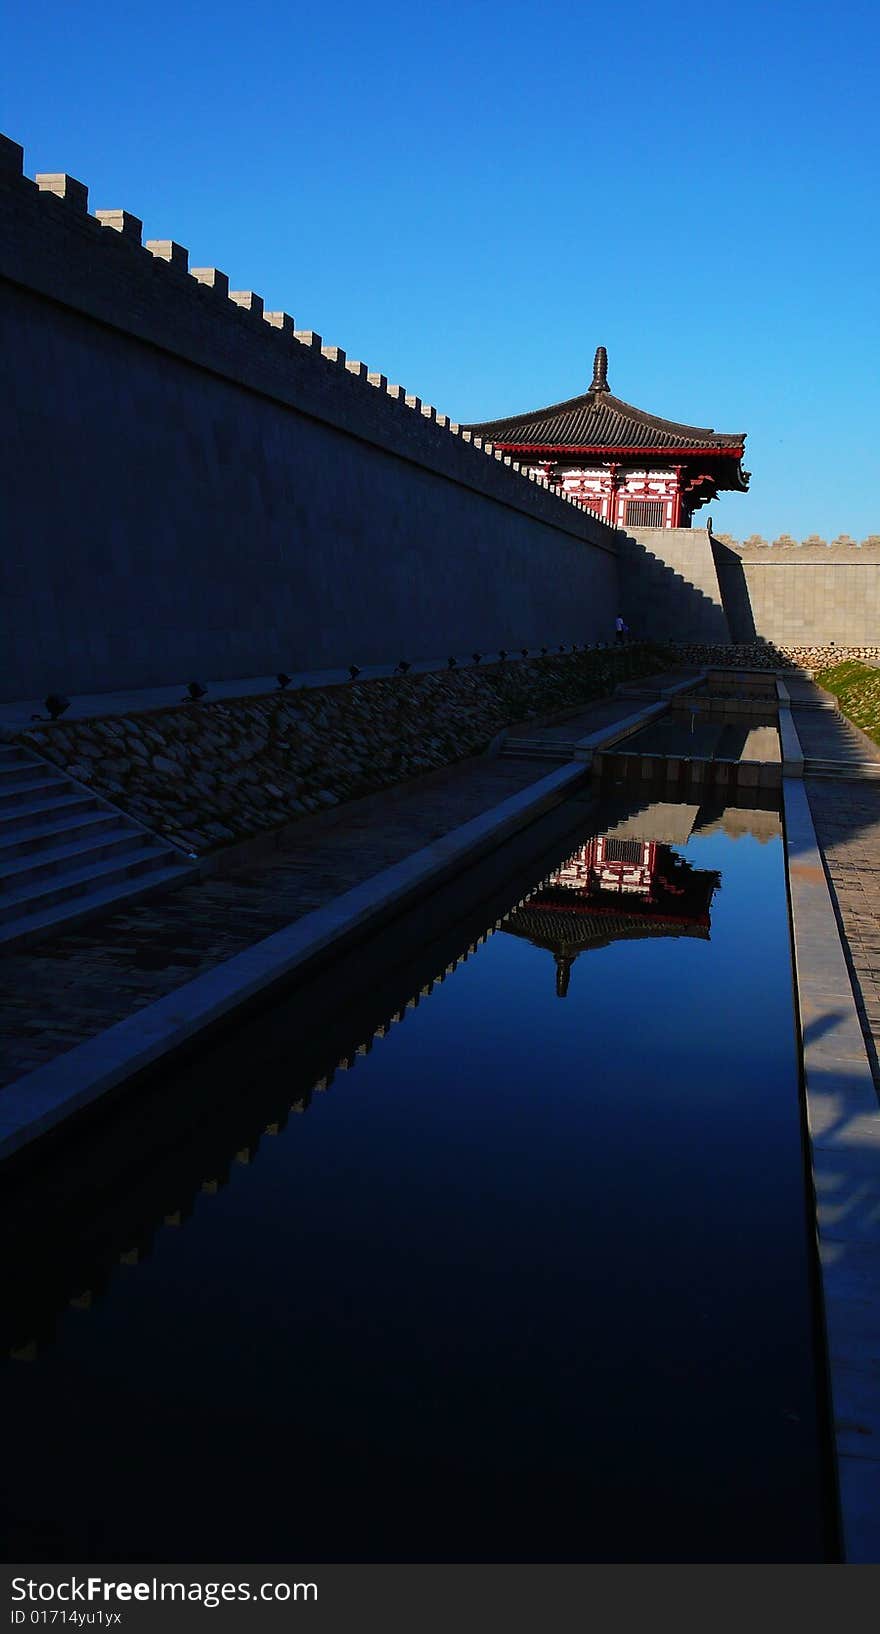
(676, 504)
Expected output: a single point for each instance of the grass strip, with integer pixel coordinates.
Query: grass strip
(857, 689)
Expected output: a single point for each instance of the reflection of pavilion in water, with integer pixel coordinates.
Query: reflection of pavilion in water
(612, 890)
(65, 1241)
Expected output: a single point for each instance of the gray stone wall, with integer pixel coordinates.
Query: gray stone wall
(683, 584)
(801, 594)
(193, 488)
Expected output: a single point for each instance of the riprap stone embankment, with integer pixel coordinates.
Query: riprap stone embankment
(209, 774)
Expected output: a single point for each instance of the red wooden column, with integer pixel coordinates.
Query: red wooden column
(676, 504)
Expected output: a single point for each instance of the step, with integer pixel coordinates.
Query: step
(38, 925)
(61, 832)
(44, 894)
(13, 772)
(869, 771)
(37, 781)
(37, 812)
(60, 859)
(843, 765)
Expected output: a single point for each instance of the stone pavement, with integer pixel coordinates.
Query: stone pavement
(606, 712)
(846, 816)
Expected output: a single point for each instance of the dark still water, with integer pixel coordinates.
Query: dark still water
(531, 1280)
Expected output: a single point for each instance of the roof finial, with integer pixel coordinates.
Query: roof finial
(600, 371)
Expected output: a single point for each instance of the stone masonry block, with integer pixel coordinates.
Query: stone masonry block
(308, 337)
(64, 187)
(334, 354)
(212, 278)
(380, 381)
(412, 401)
(121, 221)
(355, 367)
(248, 301)
(282, 321)
(165, 249)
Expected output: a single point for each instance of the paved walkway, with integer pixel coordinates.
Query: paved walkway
(846, 815)
(605, 713)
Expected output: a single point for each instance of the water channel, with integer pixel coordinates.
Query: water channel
(491, 1245)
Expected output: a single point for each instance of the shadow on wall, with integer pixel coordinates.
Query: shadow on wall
(735, 596)
(669, 586)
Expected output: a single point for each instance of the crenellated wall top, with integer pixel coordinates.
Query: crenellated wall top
(98, 264)
(806, 552)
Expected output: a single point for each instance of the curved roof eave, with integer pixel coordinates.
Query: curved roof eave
(596, 420)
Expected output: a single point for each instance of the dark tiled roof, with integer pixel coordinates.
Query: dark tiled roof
(562, 932)
(599, 420)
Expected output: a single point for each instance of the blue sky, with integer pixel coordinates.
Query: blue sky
(472, 197)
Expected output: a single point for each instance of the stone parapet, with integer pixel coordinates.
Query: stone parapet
(811, 551)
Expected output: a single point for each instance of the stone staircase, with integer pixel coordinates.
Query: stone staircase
(65, 854)
(832, 746)
(848, 769)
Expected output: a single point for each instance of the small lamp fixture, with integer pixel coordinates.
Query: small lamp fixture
(477, 657)
(451, 663)
(194, 692)
(525, 652)
(502, 654)
(54, 706)
(283, 680)
(401, 667)
(543, 652)
(354, 671)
